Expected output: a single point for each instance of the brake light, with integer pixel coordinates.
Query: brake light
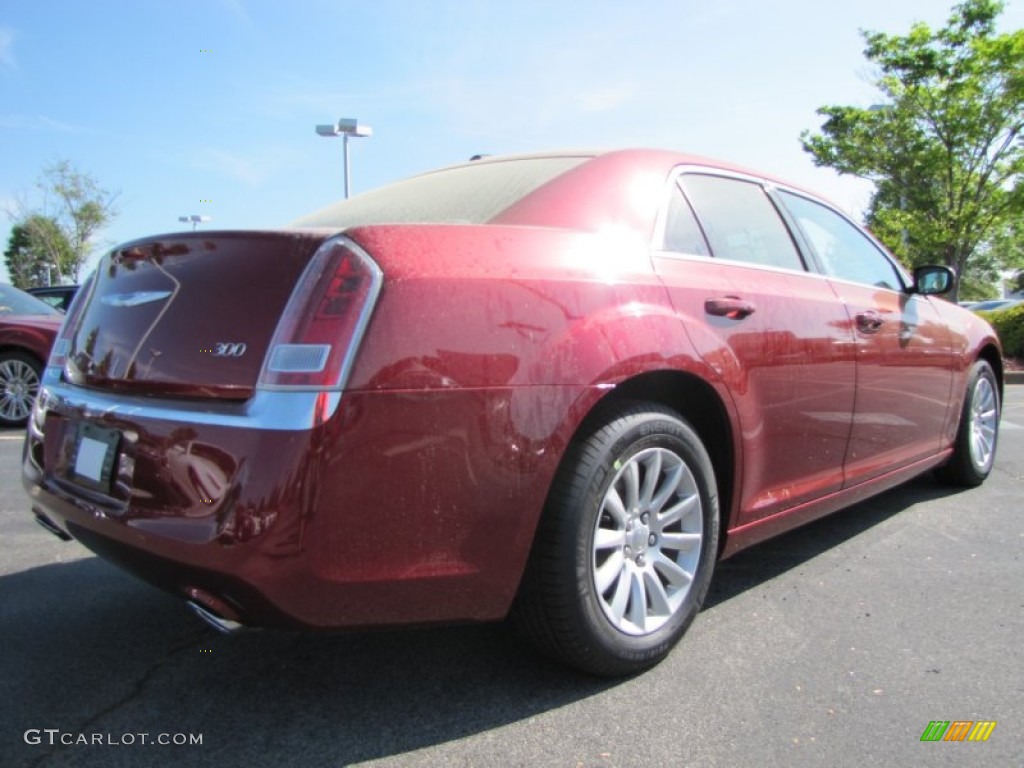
(319, 333)
(62, 345)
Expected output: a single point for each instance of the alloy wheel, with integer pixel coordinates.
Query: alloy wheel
(19, 385)
(647, 541)
(983, 422)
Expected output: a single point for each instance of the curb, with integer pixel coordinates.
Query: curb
(1013, 377)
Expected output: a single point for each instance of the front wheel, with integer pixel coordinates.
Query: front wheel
(974, 451)
(19, 385)
(626, 546)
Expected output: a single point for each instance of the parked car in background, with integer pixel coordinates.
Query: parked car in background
(27, 330)
(57, 296)
(996, 305)
(557, 387)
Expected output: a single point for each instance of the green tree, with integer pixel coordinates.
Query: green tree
(73, 210)
(29, 257)
(1010, 243)
(945, 150)
(1017, 282)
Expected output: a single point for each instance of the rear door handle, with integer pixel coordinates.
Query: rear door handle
(732, 307)
(869, 322)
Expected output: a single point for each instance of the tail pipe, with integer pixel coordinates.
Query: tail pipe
(222, 625)
(51, 526)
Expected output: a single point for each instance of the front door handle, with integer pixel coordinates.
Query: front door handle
(732, 307)
(869, 321)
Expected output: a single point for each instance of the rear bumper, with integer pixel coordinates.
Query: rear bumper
(203, 501)
(286, 512)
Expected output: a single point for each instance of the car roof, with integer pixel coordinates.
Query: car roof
(662, 159)
(617, 190)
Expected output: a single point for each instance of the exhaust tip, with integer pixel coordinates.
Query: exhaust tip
(51, 526)
(222, 625)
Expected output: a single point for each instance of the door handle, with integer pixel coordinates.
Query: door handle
(869, 321)
(732, 307)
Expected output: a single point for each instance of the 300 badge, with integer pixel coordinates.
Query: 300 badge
(228, 349)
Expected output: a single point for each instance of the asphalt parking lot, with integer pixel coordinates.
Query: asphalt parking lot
(836, 645)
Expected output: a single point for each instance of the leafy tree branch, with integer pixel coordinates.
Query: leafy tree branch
(945, 149)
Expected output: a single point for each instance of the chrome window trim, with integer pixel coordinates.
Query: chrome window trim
(766, 185)
(770, 187)
(676, 256)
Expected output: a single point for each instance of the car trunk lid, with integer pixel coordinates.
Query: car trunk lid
(187, 315)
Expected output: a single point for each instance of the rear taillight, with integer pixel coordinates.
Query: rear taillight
(62, 345)
(316, 340)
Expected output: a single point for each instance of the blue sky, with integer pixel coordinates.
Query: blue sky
(176, 103)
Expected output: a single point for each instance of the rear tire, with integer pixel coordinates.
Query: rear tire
(974, 451)
(626, 546)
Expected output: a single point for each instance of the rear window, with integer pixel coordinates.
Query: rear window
(465, 194)
(15, 302)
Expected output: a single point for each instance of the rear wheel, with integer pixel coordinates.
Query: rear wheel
(19, 385)
(624, 553)
(974, 451)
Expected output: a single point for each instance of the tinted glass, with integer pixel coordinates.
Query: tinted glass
(682, 233)
(15, 302)
(843, 250)
(740, 222)
(465, 194)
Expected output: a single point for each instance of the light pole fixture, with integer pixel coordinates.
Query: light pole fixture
(196, 220)
(345, 127)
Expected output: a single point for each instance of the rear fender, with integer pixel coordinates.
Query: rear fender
(615, 344)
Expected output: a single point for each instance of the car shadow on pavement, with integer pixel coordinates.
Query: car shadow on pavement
(91, 650)
(765, 561)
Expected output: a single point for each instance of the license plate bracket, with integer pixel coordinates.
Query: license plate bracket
(94, 456)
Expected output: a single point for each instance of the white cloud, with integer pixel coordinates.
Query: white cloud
(540, 102)
(603, 98)
(252, 167)
(7, 60)
(515, 76)
(237, 9)
(290, 99)
(8, 208)
(231, 164)
(37, 123)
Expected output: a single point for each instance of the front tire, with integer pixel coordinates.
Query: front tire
(19, 385)
(974, 451)
(624, 552)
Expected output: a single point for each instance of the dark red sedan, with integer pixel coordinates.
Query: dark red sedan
(553, 386)
(28, 327)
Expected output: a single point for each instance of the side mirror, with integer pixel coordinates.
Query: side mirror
(933, 280)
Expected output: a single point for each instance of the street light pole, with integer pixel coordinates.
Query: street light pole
(195, 218)
(348, 178)
(345, 127)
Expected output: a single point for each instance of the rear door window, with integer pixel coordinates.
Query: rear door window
(740, 221)
(682, 232)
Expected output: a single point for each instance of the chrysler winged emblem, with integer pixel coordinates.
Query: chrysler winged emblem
(133, 299)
